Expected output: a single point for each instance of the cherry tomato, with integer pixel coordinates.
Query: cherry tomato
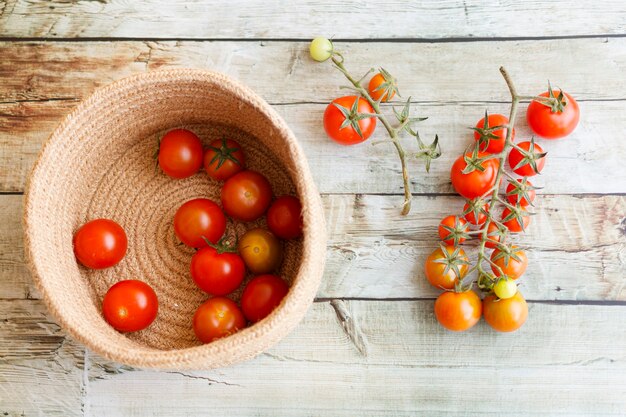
(439, 267)
(100, 243)
(382, 85)
(180, 153)
(476, 183)
(513, 224)
(494, 235)
(223, 159)
(522, 194)
(505, 288)
(511, 267)
(218, 317)
(347, 113)
(130, 306)
(521, 165)
(321, 49)
(284, 217)
(262, 295)
(216, 272)
(553, 123)
(458, 311)
(471, 213)
(199, 219)
(505, 315)
(453, 230)
(261, 251)
(246, 196)
(492, 141)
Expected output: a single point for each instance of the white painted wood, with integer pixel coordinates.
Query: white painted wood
(560, 363)
(578, 247)
(305, 19)
(41, 370)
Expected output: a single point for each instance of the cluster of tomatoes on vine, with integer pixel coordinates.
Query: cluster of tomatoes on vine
(477, 176)
(218, 267)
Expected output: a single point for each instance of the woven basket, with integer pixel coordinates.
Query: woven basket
(100, 163)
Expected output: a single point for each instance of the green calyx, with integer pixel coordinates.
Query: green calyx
(529, 156)
(555, 103)
(352, 116)
(476, 206)
(486, 133)
(388, 87)
(521, 189)
(223, 245)
(223, 154)
(474, 162)
(452, 261)
(507, 252)
(457, 232)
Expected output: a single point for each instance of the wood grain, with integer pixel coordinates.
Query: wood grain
(305, 19)
(41, 370)
(408, 365)
(578, 247)
(35, 97)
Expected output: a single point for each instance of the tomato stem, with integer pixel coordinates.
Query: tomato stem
(393, 132)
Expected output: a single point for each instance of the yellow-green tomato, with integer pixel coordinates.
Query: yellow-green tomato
(505, 288)
(321, 49)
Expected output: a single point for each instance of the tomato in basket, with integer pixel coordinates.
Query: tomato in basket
(100, 243)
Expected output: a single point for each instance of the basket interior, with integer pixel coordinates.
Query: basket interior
(101, 164)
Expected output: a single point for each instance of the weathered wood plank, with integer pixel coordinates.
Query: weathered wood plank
(560, 363)
(41, 370)
(443, 72)
(579, 247)
(589, 161)
(303, 19)
(32, 101)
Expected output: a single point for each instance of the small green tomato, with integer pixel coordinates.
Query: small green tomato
(505, 288)
(321, 49)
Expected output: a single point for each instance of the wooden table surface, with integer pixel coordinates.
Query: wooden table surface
(370, 345)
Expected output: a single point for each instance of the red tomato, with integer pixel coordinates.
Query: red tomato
(513, 224)
(218, 317)
(199, 219)
(492, 141)
(100, 244)
(335, 117)
(458, 311)
(505, 315)
(494, 235)
(474, 213)
(553, 122)
(382, 85)
(262, 295)
(453, 230)
(510, 266)
(476, 183)
(215, 272)
(180, 153)
(522, 194)
(246, 196)
(523, 164)
(223, 159)
(130, 306)
(284, 218)
(439, 267)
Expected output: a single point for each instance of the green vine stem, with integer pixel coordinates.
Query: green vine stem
(427, 152)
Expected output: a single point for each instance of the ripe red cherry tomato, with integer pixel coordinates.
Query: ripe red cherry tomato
(471, 214)
(382, 85)
(505, 315)
(551, 124)
(452, 230)
(198, 219)
(284, 218)
(100, 244)
(130, 306)
(246, 196)
(215, 272)
(485, 132)
(335, 117)
(218, 317)
(526, 169)
(517, 195)
(180, 153)
(262, 295)
(476, 183)
(513, 224)
(494, 235)
(223, 159)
